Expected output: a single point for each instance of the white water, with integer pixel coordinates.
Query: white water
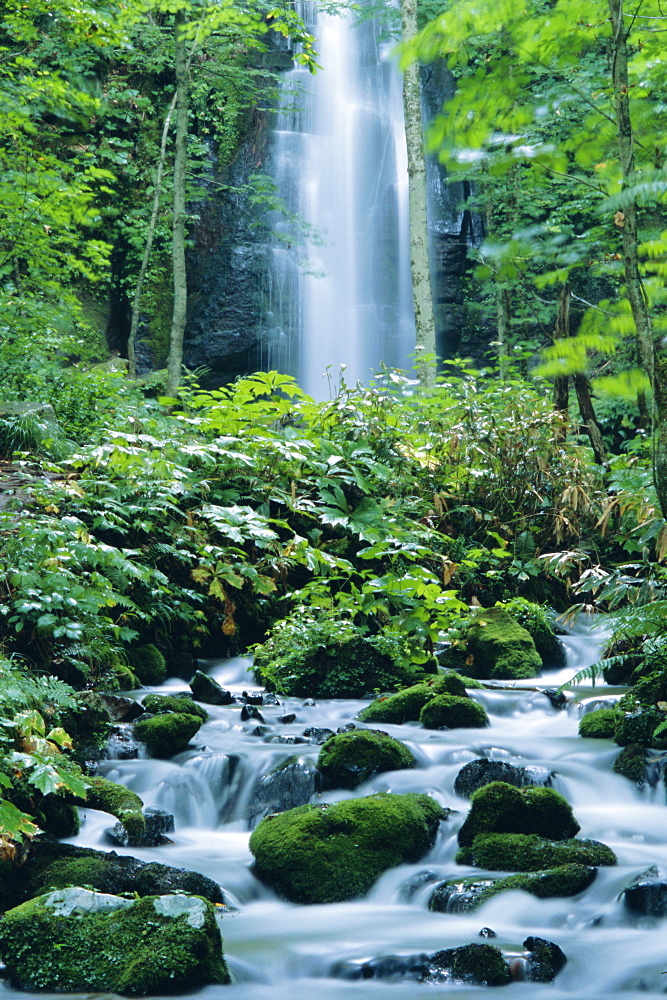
(341, 295)
(278, 950)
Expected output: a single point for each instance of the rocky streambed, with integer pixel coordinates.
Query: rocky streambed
(548, 883)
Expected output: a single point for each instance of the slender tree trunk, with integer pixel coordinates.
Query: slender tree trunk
(583, 390)
(504, 318)
(562, 382)
(157, 193)
(175, 362)
(419, 262)
(656, 369)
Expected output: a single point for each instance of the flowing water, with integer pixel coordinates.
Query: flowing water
(339, 291)
(277, 950)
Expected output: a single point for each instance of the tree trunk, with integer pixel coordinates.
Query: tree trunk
(157, 193)
(562, 382)
(656, 371)
(583, 390)
(419, 262)
(504, 318)
(175, 362)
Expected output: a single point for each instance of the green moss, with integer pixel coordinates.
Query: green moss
(500, 648)
(502, 808)
(567, 880)
(599, 725)
(348, 759)
(89, 724)
(638, 728)
(446, 711)
(56, 816)
(159, 704)
(117, 800)
(537, 622)
(631, 763)
(406, 705)
(148, 664)
(530, 853)
(474, 963)
(327, 853)
(135, 949)
(167, 735)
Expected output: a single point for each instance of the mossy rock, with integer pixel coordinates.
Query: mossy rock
(56, 816)
(328, 853)
(52, 865)
(348, 759)
(75, 940)
(167, 735)
(500, 649)
(638, 728)
(566, 880)
(631, 764)
(160, 704)
(148, 663)
(207, 689)
(406, 705)
(530, 853)
(478, 964)
(502, 808)
(478, 773)
(536, 621)
(599, 725)
(446, 711)
(122, 803)
(88, 723)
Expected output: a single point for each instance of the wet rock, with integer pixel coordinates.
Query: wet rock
(206, 689)
(348, 759)
(466, 895)
(254, 697)
(166, 735)
(251, 712)
(557, 698)
(336, 851)
(499, 648)
(487, 932)
(81, 941)
(482, 771)
(390, 968)
(447, 711)
(406, 705)
(415, 884)
(287, 719)
(647, 896)
(182, 704)
(158, 825)
(291, 784)
(260, 731)
(288, 740)
(530, 853)
(460, 896)
(122, 709)
(309, 703)
(55, 865)
(545, 960)
(502, 808)
(347, 728)
(315, 735)
(122, 744)
(477, 964)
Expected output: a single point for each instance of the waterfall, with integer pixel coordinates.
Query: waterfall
(339, 291)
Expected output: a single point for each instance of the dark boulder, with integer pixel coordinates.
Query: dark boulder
(207, 689)
(482, 772)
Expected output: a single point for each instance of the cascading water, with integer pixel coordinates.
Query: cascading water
(277, 950)
(339, 292)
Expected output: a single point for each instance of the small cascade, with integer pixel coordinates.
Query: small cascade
(339, 291)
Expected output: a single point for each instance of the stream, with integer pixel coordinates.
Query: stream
(278, 950)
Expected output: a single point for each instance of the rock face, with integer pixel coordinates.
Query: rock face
(348, 759)
(327, 853)
(500, 648)
(75, 940)
(482, 772)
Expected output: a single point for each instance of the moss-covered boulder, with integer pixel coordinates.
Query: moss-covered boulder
(311, 655)
(122, 803)
(89, 723)
(148, 664)
(446, 711)
(477, 964)
(631, 764)
(75, 940)
(538, 623)
(464, 895)
(327, 853)
(160, 704)
(498, 648)
(406, 705)
(53, 865)
(348, 759)
(167, 735)
(638, 727)
(502, 808)
(520, 852)
(207, 689)
(599, 725)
